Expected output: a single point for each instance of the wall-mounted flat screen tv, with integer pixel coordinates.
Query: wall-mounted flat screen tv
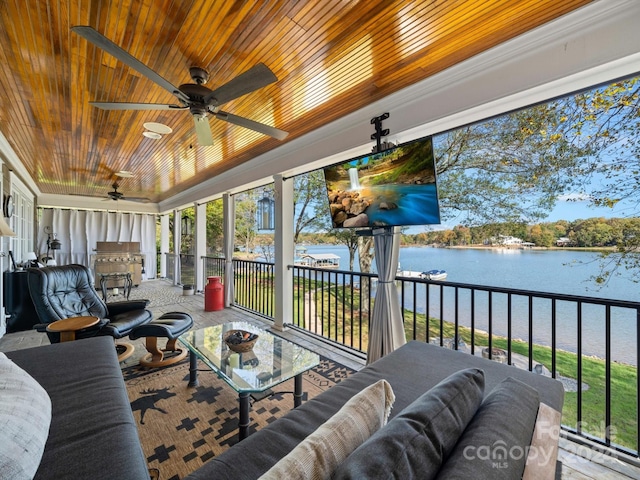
(394, 187)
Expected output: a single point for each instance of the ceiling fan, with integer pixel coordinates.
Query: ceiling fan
(116, 195)
(195, 97)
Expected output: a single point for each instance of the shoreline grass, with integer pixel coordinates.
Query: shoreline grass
(623, 428)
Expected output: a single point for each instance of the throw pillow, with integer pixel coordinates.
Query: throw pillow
(25, 415)
(317, 456)
(543, 454)
(495, 444)
(414, 443)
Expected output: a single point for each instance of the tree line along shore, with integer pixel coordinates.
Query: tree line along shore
(594, 233)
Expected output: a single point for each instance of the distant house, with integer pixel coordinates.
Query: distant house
(509, 240)
(564, 242)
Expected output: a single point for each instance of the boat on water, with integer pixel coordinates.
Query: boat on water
(407, 273)
(428, 275)
(434, 275)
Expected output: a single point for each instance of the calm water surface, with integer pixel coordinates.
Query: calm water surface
(566, 272)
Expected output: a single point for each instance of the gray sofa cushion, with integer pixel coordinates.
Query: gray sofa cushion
(415, 443)
(93, 433)
(495, 444)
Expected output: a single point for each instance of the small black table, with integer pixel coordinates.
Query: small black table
(124, 276)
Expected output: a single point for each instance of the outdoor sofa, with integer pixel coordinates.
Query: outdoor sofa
(93, 434)
(504, 430)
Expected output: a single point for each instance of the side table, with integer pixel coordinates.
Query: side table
(68, 327)
(124, 276)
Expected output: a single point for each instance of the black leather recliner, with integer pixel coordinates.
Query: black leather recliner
(67, 291)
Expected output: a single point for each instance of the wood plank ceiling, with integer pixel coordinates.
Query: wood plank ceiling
(331, 57)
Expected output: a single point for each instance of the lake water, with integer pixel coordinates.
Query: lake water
(556, 271)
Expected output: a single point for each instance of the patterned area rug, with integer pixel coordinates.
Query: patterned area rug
(181, 428)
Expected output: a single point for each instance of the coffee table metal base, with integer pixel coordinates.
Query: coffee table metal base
(244, 419)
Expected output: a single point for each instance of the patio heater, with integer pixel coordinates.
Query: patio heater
(52, 244)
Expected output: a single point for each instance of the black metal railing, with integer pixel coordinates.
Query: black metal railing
(212, 267)
(187, 270)
(588, 343)
(254, 288)
(334, 304)
(170, 266)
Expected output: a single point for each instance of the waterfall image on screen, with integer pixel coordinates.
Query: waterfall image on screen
(393, 187)
(353, 178)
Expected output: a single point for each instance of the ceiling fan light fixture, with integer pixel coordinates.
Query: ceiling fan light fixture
(156, 127)
(153, 135)
(199, 75)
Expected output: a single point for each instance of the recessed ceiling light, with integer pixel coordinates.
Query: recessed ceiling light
(158, 127)
(154, 135)
(124, 174)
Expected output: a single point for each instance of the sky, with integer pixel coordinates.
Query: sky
(576, 209)
(568, 207)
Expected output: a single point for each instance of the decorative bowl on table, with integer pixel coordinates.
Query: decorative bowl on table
(240, 341)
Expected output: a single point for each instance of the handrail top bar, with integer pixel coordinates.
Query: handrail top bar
(531, 293)
(333, 270)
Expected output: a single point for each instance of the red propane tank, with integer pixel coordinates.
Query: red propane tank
(213, 295)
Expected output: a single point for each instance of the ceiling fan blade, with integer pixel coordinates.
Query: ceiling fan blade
(256, 77)
(252, 125)
(203, 131)
(135, 106)
(99, 40)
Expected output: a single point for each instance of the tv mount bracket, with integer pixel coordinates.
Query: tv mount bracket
(379, 133)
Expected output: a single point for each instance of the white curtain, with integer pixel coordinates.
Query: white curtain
(386, 330)
(80, 230)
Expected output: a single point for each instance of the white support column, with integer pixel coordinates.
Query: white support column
(201, 244)
(229, 221)
(177, 234)
(284, 251)
(164, 244)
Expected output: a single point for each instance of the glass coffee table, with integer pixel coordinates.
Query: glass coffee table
(272, 360)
